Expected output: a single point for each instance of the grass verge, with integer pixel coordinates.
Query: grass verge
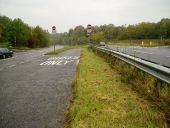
(102, 100)
(65, 49)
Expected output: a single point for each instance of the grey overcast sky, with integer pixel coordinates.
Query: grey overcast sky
(66, 14)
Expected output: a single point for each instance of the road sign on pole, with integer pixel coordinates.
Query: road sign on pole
(53, 29)
(89, 28)
(89, 31)
(54, 32)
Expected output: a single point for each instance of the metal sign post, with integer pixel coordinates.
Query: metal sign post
(89, 31)
(54, 32)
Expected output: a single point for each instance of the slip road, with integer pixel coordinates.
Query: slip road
(36, 93)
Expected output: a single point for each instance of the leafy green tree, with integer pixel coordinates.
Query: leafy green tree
(1, 29)
(164, 28)
(98, 37)
(38, 37)
(109, 32)
(18, 32)
(77, 35)
(4, 21)
(144, 30)
(122, 34)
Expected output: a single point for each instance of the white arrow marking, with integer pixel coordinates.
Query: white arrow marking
(68, 61)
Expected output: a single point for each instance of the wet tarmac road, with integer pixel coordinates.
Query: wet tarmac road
(36, 93)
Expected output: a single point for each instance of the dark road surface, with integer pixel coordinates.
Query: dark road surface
(24, 57)
(159, 55)
(36, 93)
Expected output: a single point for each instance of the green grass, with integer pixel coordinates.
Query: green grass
(102, 100)
(65, 49)
(5, 45)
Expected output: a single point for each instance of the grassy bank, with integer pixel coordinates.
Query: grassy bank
(5, 45)
(65, 48)
(102, 100)
(144, 83)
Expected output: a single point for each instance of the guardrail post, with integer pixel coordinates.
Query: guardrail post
(158, 88)
(160, 72)
(168, 89)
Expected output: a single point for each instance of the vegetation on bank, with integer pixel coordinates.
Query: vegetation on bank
(102, 100)
(142, 82)
(16, 33)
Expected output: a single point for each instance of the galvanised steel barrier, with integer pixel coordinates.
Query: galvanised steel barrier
(160, 72)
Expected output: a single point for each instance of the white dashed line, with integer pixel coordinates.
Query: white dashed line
(11, 66)
(21, 62)
(142, 52)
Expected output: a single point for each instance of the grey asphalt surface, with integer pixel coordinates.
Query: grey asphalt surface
(159, 55)
(24, 57)
(34, 95)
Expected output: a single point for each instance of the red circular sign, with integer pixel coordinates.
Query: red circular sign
(89, 26)
(53, 28)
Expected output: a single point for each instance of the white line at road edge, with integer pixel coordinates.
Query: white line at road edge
(78, 62)
(11, 66)
(142, 52)
(21, 62)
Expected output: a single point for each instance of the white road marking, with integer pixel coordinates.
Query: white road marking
(44, 63)
(61, 60)
(11, 66)
(78, 62)
(21, 62)
(76, 57)
(142, 52)
(68, 61)
(54, 62)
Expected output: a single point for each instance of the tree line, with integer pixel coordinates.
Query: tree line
(17, 33)
(144, 30)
